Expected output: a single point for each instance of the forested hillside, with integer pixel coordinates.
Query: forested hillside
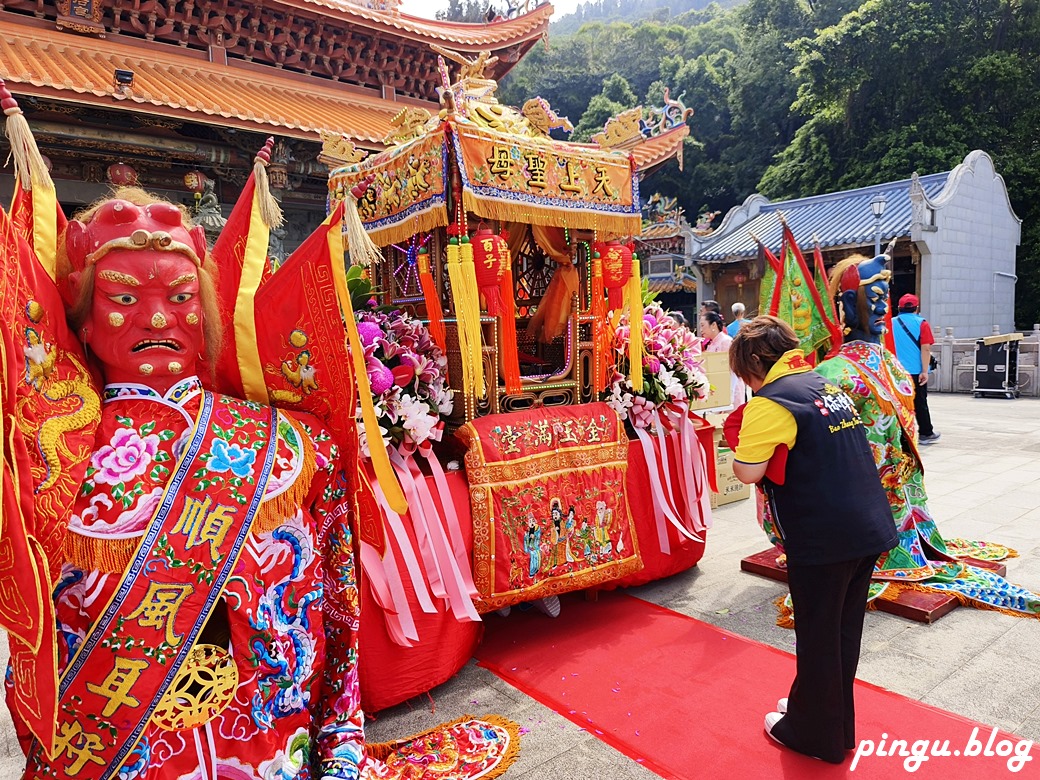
(795, 98)
(626, 11)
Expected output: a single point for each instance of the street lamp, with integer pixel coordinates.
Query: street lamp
(877, 205)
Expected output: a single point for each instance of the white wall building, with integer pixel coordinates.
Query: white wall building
(956, 238)
(967, 236)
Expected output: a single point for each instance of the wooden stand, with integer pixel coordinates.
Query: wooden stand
(911, 604)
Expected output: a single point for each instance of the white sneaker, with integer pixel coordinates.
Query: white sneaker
(772, 719)
(781, 706)
(550, 606)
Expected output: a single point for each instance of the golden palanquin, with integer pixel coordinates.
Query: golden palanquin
(493, 165)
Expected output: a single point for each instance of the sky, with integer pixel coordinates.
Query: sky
(427, 8)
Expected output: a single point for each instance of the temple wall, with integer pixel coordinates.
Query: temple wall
(968, 260)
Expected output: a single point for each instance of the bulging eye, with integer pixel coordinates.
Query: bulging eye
(125, 299)
(181, 297)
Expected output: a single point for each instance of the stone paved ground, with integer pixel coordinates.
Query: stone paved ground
(983, 480)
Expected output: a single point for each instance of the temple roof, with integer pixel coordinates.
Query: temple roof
(836, 219)
(327, 40)
(184, 84)
(460, 34)
(658, 149)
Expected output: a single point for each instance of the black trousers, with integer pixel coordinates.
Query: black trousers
(924, 417)
(829, 603)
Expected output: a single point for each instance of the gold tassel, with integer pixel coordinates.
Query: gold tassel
(29, 166)
(462, 331)
(89, 553)
(471, 302)
(32, 176)
(963, 600)
(424, 222)
(275, 511)
(529, 213)
(601, 340)
(362, 250)
(270, 211)
(785, 615)
(635, 327)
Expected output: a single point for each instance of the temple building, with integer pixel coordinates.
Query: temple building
(179, 96)
(955, 234)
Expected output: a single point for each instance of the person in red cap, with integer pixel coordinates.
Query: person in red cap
(914, 339)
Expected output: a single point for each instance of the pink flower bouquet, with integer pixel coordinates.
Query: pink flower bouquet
(672, 370)
(407, 371)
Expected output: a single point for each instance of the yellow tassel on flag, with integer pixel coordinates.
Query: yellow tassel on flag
(388, 482)
(363, 251)
(457, 297)
(601, 340)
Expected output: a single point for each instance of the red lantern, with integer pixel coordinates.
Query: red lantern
(122, 175)
(195, 181)
(490, 258)
(617, 270)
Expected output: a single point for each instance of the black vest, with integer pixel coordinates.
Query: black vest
(831, 506)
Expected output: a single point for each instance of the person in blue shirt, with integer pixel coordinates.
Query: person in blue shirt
(914, 339)
(738, 320)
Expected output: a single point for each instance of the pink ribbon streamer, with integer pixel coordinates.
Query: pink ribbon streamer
(693, 474)
(451, 520)
(452, 576)
(388, 590)
(666, 466)
(427, 554)
(396, 528)
(699, 469)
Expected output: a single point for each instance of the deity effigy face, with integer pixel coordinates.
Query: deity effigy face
(874, 277)
(864, 298)
(145, 318)
(877, 306)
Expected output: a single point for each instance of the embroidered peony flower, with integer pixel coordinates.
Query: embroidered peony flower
(231, 457)
(127, 456)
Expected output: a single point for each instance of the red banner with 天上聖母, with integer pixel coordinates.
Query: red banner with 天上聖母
(550, 509)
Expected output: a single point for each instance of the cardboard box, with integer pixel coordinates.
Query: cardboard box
(730, 488)
(716, 367)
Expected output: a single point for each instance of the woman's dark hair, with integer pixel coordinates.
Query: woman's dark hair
(714, 318)
(759, 345)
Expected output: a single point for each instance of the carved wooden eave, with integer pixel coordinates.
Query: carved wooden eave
(327, 39)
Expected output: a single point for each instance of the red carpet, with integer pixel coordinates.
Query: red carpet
(687, 700)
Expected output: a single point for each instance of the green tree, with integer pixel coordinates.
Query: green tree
(472, 11)
(615, 97)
